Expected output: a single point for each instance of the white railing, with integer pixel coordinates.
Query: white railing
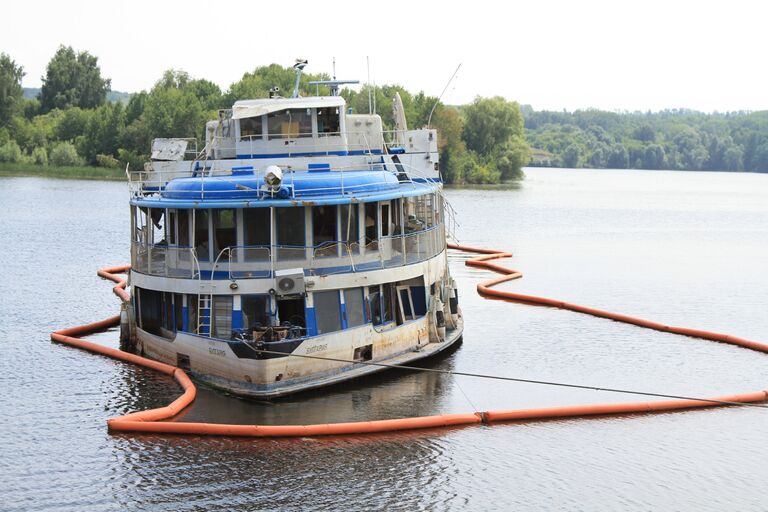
(251, 262)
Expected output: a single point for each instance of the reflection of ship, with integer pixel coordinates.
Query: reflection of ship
(300, 229)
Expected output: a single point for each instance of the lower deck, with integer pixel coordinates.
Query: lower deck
(316, 362)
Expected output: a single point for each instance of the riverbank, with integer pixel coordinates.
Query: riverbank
(80, 173)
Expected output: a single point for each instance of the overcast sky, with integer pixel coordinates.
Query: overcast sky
(613, 55)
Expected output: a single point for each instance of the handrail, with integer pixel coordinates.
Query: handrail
(385, 252)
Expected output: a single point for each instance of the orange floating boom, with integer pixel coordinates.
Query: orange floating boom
(152, 420)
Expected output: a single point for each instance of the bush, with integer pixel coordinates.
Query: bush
(40, 156)
(107, 161)
(10, 152)
(64, 154)
(131, 158)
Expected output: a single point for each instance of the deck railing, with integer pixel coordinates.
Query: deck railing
(253, 262)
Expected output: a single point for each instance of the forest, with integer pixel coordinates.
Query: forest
(71, 122)
(670, 139)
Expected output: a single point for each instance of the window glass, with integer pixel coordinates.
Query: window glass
(290, 232)
(225, 230)
(327, 311)
(328, 120)
(374, 299)
(250, 128)
(385, 225)
(290, 124)
(323, 224)
(222, 316)
(255, 311)
(178, 305)
(349, 226)
(183, 229)
(387, 302)
(256, 226)
(201, 235)
(353, 298)
(170, 227)
(371, 223)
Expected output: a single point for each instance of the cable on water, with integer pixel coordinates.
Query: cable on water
(510, 379)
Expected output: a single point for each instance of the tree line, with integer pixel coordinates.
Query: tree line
(71, 122)
(670, 139)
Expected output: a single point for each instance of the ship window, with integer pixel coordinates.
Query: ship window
(353, 299)
(397, 221)
(183, 229)
(291, 311)
(327, 311)
(371, 223)
(256, 226)
(406, 303)
(222, 316)
(201, 235)
(290, 124)
(167, 311)
(250, 128)
(328, 120)
(170, 227)
(419, 300)
(192, 305)
(178, 305)
(387, 302)
(323, 224)
(255, 311)
(150, 312)
(349, 225)
(385, 225)
(374, 301)
(224, 228)
(290, 232)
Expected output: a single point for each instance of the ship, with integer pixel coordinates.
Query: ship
(302, 245)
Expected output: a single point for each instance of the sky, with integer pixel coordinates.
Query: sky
(552, 55)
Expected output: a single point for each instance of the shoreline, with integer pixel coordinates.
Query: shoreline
(11, 170)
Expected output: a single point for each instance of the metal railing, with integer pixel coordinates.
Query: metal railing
(252, 262)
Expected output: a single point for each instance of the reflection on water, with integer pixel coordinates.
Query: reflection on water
(682, 248)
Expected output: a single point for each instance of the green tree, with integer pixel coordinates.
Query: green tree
(73, 79)
(10, 88)
(571, 156)
(490, 122)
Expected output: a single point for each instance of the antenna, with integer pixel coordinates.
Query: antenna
(333, 84)
(368, 64)
(441, 94)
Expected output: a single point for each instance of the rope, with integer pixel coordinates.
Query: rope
(509, 379)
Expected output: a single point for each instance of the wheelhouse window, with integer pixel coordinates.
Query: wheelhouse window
(290, 124)
(256, 226)
(224, 229)
(251, 128)
(328, 120)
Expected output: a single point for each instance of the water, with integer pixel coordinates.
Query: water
(682, 248)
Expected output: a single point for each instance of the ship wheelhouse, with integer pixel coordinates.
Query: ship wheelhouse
(290, 234)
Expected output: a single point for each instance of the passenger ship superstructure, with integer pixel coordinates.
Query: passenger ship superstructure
(300, 229)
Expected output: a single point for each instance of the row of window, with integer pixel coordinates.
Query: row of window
(210, 231)
(164, 313)
(291, 124)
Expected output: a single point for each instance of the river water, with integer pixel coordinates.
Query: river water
(684, 248)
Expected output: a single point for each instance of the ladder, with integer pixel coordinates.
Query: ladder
(204, 307)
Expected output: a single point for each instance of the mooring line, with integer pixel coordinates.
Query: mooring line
(151, 421)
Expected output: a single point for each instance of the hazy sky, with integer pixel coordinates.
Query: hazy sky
(613, 55)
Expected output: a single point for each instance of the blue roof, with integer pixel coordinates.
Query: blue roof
(245, 189)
